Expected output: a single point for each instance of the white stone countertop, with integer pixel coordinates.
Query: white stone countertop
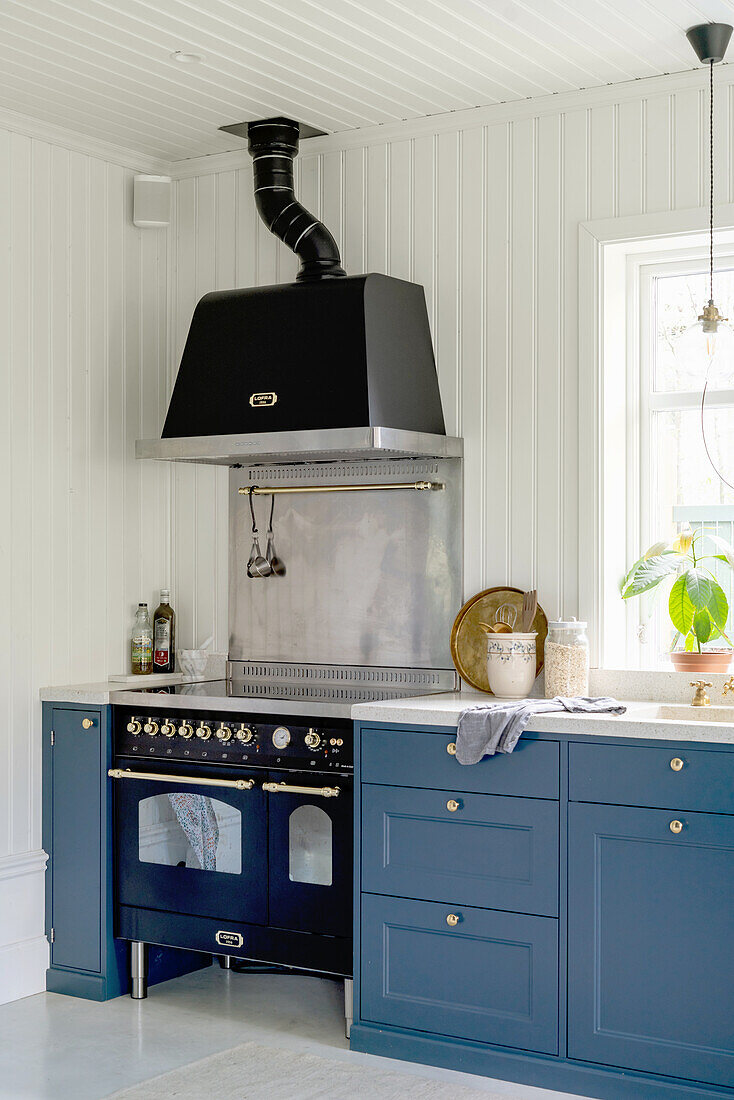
(100, 693)
(642, 719)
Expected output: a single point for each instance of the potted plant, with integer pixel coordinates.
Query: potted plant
(697, 604)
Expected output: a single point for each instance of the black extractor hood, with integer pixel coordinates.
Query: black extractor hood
(331, 362)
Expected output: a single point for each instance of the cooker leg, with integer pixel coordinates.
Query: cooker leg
(138, 970)
(348, 1005)
(225, 961)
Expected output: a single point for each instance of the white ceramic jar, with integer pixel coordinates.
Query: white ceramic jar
(511, 664)
(566, 659)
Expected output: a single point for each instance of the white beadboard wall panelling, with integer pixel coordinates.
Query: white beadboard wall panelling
(83, 319)
(483, 208)
(104, 69)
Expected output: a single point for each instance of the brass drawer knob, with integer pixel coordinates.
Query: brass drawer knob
(676, 826)
(87, 723)
(676, 764)
(452, 920)
(452, 805)
(451, 748)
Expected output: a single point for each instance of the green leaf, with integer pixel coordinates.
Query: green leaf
(690, 642)
(718, 605)
(702, 625)
(698, 587)
(680, 608)
(646, 574)
(727, 551)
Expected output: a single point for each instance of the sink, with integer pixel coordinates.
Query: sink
(679, 712)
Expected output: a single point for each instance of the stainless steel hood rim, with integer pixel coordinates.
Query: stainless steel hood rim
(332, 444)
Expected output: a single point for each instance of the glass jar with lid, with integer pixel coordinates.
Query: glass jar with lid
(566, 659)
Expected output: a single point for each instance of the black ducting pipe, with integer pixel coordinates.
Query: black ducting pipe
(273, 144)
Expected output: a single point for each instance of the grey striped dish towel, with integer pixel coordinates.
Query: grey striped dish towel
(497, 727)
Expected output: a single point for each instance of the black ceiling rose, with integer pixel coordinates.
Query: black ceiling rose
(710, 41)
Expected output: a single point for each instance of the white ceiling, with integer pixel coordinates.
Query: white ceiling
(103, 68)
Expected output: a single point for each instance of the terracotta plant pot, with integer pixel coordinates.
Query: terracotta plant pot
(712, 660)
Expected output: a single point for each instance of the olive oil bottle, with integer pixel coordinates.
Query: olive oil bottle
(164, 635)
(141, 648)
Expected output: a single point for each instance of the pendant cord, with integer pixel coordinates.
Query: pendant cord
(711, 181)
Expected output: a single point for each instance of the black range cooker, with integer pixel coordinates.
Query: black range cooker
(233, 831)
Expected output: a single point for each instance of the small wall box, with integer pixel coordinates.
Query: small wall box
(152, 202)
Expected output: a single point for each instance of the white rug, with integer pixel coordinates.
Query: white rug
(254, 1072)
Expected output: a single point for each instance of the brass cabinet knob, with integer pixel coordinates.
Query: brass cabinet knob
(676, 764)
(223, 733)
(452, 920)
(204, 732)
(168, 729)
(134, 727)
(676, 826)
(244, 734)
(151, 728)
(186, 730)
(452, 805)
(87, 723)
(451, 748)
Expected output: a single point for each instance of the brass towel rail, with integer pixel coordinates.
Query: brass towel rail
(269, 490)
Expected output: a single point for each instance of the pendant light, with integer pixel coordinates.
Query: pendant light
(710, 336)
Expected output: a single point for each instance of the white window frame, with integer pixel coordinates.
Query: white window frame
(612, 254)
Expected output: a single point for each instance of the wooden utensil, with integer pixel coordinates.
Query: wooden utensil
(529, 608)
(495, 628)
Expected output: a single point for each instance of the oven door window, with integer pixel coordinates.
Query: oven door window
(310, 857)
(181, 829)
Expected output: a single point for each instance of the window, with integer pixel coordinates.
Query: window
(677, 485)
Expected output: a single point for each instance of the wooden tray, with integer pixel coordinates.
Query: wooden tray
(469, 641)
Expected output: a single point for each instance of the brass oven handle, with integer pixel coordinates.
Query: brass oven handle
(287, 788)
(238, 784)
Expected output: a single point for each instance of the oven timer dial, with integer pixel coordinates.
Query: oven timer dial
(281, 737)
(223, 733)
(168, 729)
(151, 727)
(186, 731)
(204, 732)
(313, 739)
(134, 727)
(245, 735)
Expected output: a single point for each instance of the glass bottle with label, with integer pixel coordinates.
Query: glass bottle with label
(164, 635)
(142, 642)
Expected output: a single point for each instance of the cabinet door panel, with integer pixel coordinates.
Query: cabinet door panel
(493, 977)
(77, 840)
(486, 851)
(410, 758)
(651, 923)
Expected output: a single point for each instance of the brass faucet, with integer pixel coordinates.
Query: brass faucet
(701, 699)
(728, 686)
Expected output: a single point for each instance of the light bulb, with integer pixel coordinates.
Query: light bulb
(707, 349)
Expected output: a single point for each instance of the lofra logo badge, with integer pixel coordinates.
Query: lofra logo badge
(229, 939)
(260, 400)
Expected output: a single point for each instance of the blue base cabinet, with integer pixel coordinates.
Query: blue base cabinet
(85, 958)
(561, 917)
(651, 929)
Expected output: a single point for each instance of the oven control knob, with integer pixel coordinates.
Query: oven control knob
(313, 739)
(223, 733)
(244, 734)
(168, 729)
(134, 727)
(281, 737)
(151, 727)
(186, 730)
(204, 732)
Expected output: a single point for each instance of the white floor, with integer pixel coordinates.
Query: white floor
(63, 1048)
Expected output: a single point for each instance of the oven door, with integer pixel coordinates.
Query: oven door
(191, 847)
(310, 851)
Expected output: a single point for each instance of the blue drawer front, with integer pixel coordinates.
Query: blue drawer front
(410, 759)
(493, 978)
(492, 852)
(651, 922)
(632, 776)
